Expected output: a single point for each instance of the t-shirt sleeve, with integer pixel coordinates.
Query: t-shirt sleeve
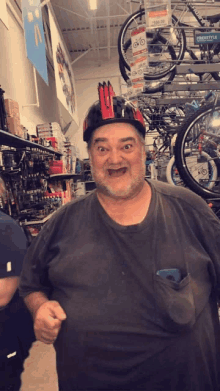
(209, 232)
(34, 276)
(13, 246)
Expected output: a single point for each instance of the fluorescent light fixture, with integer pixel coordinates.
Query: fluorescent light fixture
(93, 4)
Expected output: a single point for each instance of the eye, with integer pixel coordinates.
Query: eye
(128, 146)
(101, 149)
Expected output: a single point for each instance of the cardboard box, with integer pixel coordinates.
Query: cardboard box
(12, 109)
(14, 126)
(48, 126)
(56, 167)
(54, 142)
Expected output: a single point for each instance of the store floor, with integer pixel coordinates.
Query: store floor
(40, 369)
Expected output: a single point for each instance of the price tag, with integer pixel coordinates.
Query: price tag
(158, 13)
(157, 18)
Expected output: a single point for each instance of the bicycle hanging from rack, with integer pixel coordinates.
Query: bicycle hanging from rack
(197, 151)
(167, 46)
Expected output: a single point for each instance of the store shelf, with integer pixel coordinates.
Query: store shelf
(65, 176)
(17, 142)
(35, 222)
(192, 87)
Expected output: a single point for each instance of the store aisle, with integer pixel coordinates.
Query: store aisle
(40, 369)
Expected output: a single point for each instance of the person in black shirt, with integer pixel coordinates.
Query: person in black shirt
(16, 325)
(125, 281)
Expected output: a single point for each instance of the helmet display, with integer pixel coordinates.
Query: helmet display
(110, 109)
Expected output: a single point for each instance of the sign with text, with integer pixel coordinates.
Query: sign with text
(4, 13)
(211, 37)
(139, 41)
(140, 58)
(34, 36)
(158, 13)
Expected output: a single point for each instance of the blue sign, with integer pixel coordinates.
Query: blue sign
(207, 38)
(34, 36)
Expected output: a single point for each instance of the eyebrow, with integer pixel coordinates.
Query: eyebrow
(104, 139)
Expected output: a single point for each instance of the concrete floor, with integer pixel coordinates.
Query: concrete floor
(40, 369)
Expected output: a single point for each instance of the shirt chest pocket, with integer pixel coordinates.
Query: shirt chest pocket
(176, 305)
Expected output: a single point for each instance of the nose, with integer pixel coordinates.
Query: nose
(114, 157)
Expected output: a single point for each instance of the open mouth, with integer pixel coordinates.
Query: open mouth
(118, 172)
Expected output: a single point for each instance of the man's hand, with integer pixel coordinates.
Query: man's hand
(47, 321)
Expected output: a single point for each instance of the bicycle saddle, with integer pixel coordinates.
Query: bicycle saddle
(213, 18)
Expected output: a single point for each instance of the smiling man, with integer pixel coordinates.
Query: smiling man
(125, 281)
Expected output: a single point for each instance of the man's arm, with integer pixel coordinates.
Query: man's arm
(8, 288)
(47, 314)
(34, 300)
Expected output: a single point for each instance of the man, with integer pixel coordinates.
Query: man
(94, 277)
(16, 325)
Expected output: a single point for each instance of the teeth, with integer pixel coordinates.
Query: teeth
(117, 171)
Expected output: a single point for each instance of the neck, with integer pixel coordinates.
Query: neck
(127, 211)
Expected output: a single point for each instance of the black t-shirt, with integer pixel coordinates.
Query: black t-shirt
(128, 328)
(16, 326)
(13, 245)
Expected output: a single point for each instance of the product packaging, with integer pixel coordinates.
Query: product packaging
(12, 109)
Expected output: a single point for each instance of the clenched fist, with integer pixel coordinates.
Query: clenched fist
(47, 321)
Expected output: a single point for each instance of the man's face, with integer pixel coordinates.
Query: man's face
(117, 159)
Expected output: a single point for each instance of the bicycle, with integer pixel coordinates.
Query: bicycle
(200, 135)
(169, 42)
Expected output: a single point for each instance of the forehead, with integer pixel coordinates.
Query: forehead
(115, 131)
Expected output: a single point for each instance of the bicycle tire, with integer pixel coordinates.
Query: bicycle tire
(172, 179)
(184, 136)
(160, 41)
(122, 40)
(170, 173)
(150, 87)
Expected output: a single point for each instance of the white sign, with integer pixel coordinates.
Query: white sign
(158, 13)
(4, 13)
(139, 41)
(157, 18)
(140, 59)
(65, 84)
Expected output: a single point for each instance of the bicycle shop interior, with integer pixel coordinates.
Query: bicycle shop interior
(42, 107)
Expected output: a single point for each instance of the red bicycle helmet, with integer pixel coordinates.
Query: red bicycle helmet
(110, 109)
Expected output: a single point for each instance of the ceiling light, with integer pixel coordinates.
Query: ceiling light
(93, 4)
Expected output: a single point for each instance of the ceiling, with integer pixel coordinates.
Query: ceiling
(96, 31)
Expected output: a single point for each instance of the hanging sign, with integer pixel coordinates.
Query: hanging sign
(158, 13)
(64, 77)
(139, 41)
(34, 36)
(140, 58)
(4, 13)
(211, 37)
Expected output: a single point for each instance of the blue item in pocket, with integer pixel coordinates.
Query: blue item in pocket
(170, 274)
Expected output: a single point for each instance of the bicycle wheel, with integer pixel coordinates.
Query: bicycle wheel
(172, 174)
(150, 87)
(197, 151)
(174, 178)
(159, 65)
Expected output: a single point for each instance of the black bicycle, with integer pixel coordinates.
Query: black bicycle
(197, 151)
(167, 46)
